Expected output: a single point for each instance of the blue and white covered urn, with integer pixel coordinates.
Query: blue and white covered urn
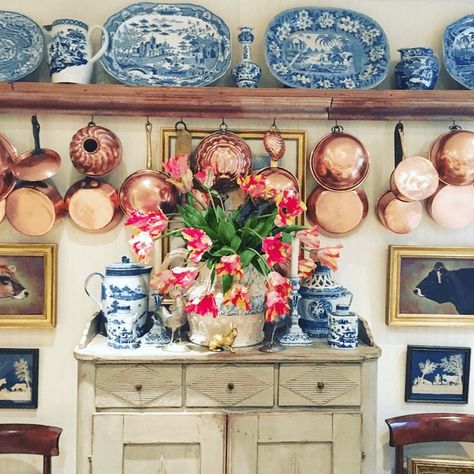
(343, 328)
(418, 69)
(246, 73)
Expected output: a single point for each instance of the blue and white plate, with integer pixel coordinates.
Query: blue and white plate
(166, 45)
(21, 46)
(331, 48)
(458, 50)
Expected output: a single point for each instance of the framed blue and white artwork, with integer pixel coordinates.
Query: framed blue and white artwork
(437, 374)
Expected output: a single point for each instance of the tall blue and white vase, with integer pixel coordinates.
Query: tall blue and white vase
(343, 328)
(246, 73)
(418, 69)
(319, 296)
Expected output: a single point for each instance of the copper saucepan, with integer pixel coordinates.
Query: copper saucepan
(452, 154)
(95, 150)
(337, 213)
(414, 177)
(33, 208)
(93, 205)
(39, 163)
(452, 206)
(339, 161)
(146, 190)
(8, 155)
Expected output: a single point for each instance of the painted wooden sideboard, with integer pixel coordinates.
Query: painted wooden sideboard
(303, 410)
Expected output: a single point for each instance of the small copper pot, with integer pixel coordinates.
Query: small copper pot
(33, 208)
(399, 216)
(8, 155)
(337, 213)
(339, 161)
(452, 154)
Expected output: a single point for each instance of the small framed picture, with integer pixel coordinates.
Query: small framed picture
(437, 374)
(19, 378)
(430, 286)
(440, 466)
(28, 285)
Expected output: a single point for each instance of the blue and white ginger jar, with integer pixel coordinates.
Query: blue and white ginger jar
(122, 329)
(418, 69)
(343, 328)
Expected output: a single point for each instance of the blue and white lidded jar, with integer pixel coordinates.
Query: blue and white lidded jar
(417, 70)
(122, 329)
(343, 328)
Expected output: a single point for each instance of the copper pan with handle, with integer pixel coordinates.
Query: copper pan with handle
(147, 189)
(8, 155)
(93, 205)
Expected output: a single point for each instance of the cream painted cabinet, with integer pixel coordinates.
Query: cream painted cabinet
(300, 411)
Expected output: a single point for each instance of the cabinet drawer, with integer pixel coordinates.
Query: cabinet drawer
(319, 384)
(144, 385)
(243, 385)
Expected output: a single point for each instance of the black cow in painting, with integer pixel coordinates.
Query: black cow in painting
(449, 286)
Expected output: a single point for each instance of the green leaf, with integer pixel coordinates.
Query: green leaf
(286, 238)
(226, 231)
(291, 228)
(246, 257)
(235, 242)
(221, 251)
(227, 281)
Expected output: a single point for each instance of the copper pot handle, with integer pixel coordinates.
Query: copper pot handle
(399, 144)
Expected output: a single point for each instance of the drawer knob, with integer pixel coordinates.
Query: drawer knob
(230, 386)
(138, 387)
(320, 385)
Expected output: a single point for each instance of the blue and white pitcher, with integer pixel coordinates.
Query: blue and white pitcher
(124, 284)
(69, 49)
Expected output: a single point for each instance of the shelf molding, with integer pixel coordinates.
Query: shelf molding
(233, 102)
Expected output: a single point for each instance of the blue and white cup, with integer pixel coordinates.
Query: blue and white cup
(122, 329)
(69, 50)
(343, 328)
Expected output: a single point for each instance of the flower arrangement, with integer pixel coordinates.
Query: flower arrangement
(259, 233)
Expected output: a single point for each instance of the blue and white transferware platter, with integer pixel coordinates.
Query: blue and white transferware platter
(166, 45)
(458, 50)
(21, 46)
(331, 48)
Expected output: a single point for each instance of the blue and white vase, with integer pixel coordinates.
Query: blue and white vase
(319, 296)
(246, 73)
(418, 69)
(122, 329)
(343, 328)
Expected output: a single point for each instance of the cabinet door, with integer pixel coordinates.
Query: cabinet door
(165, 443)
(294, 443)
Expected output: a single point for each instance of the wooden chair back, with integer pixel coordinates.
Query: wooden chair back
(427, 428)
(23, 438)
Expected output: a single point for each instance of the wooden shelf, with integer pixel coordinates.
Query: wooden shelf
(232, 102)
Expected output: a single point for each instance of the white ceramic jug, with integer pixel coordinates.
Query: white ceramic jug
(69, 49)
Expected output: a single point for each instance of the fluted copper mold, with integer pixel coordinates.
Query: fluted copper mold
(95, 150)
(228, 154)
(401, 217)
(452, 206)
(452, 154)
(339, 162)
(274, 144)
(337, 213)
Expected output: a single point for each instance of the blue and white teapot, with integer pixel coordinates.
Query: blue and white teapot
(124, 284)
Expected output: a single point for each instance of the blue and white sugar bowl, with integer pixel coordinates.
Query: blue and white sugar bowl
(122, 329)
(343, 328)
(124, 284)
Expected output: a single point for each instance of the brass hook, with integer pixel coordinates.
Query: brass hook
(180, 122)
(223, 126)
(91, 123)
(148, 125)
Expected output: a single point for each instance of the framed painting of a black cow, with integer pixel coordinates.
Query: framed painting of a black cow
(28, 285)
(430, 286)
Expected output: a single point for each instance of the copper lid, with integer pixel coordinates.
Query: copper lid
(452, 206)
(398, 216)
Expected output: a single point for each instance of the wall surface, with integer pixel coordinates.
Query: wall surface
(363, 266)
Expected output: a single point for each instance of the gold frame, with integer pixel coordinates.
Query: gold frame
(440, 466)
(47, 319)
(394, 316)
(299, 136)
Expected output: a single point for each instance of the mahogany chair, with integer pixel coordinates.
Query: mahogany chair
(23, 438)
(426, 428)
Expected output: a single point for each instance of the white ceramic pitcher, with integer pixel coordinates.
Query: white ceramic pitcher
(69, 49)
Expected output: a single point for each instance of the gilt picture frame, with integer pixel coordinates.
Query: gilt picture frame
(293, 160)
(440, 466)
(19, 378)
(436, 374)
(421, 282)
(28, 289)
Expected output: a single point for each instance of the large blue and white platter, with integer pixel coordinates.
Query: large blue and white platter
(331, 48)
(458, 50)
(21, 46)
(166, 45)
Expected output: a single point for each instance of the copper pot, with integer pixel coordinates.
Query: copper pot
(8, 155)
(399, 216)
(228, 154)
(146, 190)
(93, 205)
(337, 213)
(339, 161)
(452, 206)
(33, 208)
(452, 154)
(95, 151)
